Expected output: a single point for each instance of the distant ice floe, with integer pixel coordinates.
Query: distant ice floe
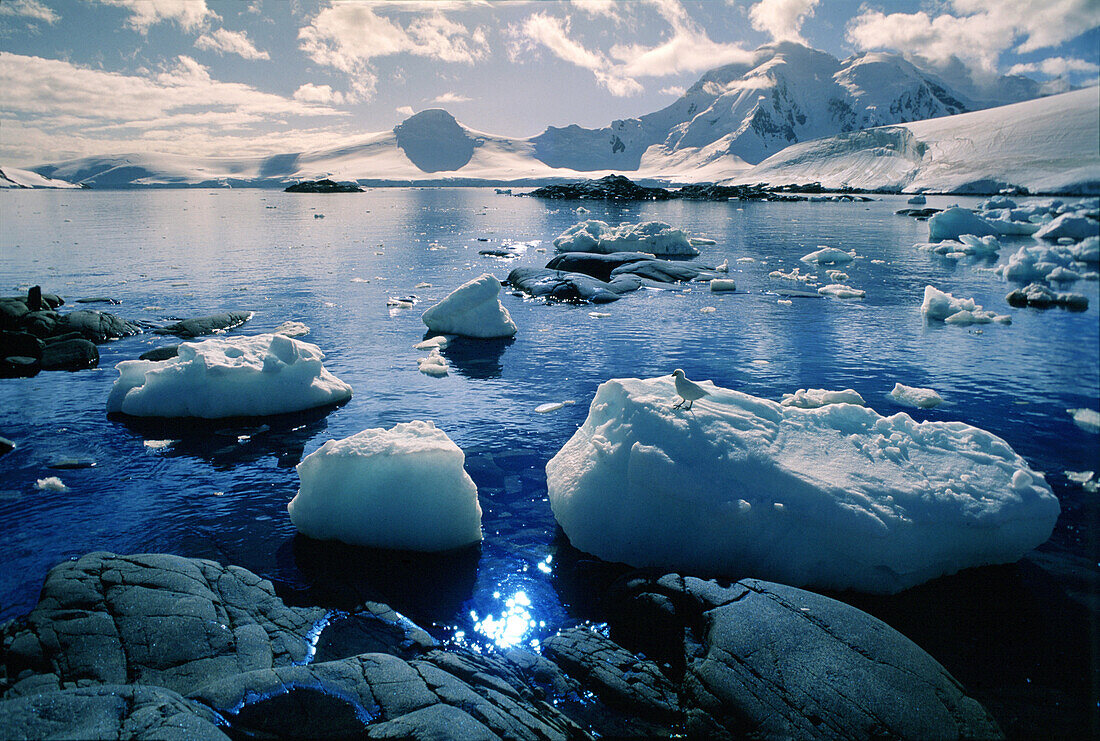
(403, 488)
(839, 290)
(829, 256)
(915, 396)
(836, 497)
(718, 285)
(1085, 479)
(943, 307)
(967, 245)
(954, 222)
(1046, 262)
(228, 377)
(1069, 225)
(472, 310)
(917, 200)
(292, 329)
(553, 406)
(654, 237)
(815, 398)
(434, 364)
(51, 483)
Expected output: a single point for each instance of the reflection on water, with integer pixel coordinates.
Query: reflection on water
(220, 491)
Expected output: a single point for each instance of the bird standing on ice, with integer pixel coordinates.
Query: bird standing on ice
(689, 391)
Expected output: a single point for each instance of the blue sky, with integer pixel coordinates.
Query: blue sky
(83, 77)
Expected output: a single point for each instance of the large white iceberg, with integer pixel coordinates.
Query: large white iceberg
(837, 497)
(1071, 225)
(404, 488)
(228, 377)
(654, 237)
(954, 222)
(472, 310)
(1040, 262)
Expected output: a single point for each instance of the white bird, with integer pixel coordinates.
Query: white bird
(689, 391)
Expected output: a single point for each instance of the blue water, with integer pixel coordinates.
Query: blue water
(167, 255)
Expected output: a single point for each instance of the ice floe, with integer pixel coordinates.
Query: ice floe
(836, 497)
(472, 310)
(915, 396)
(839, 290)
(815, 398)
(1086, 419)
(1040, 262)
(434, 364)
(50, 483)
(654, 237)
(943, 307)
(403, 488)
(1071, 225)
(723, 284)
(228, 377)
(954, 222)
(967, 245)
(829, 256)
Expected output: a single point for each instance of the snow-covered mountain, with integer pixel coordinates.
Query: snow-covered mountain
(1048, 145)
(733, 118)
(11, 177)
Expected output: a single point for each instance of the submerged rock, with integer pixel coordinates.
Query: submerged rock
(609, 188)
(70, 355)
(1039, 296)
(208, 324)
(323, 186)
(557, 285)
(98, 326)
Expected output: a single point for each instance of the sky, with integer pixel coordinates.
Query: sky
(248, 77)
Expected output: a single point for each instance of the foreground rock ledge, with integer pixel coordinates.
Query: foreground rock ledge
(159, 646)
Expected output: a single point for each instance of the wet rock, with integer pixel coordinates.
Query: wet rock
(445, 694)
(160, 353)
(207, 325)
(72, 463)
(11, 311)
(34, 298)
(19, 366)
(373, 628)
(918, 213)
(765, 660)
(98, 300)
(70, 355)
(109, 712)
(556, 285)
(663, 271)
(20, 343)
(6, 445)
(594, 264)
(609, 188)
(98, 326)
(150, 619)
(40, 323)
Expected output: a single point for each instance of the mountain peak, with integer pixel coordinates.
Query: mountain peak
(434, 140)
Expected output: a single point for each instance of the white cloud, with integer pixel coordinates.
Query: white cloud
(612, 9)
(686, 48)
(191, 15)
(1055, 67)
(451, 97)
(32, 9)
(230, 42)
(347, 36)
(323, 94)
(782, 19)
(978, 32)
(53, 107)
(676, 90)
(405, 110)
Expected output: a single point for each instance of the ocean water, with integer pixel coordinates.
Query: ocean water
(1020, 637)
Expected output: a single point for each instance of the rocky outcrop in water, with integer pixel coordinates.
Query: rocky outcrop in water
(323, 186)
(1038, 296)
(205, 325)
(160, 646)
(609, 188)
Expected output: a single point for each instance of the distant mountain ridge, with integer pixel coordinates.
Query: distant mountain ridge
(732, 119)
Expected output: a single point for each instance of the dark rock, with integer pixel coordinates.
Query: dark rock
(556, 285)
(98, 326)
(109, 712)
(594, 264)
(52, 300)
(11, 312)
(498, 253)
(160, 353)
(19, 366)
(34, 298)
(20, 343)
(373, 628)
(323, 186)
(98, 300)
(70, 355)
(918, 213)
(151, 619)
(63, 337)
(1038, 296)
(6, 445)
(40, 323)
(68, 464)
(767, 660)
(207, 324)
(711, 192)
(663, 271)
(609, 188)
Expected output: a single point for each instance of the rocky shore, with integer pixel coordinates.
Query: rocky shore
(160, 646)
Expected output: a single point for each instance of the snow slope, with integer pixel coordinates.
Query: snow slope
(11, 177)
(1047, 145)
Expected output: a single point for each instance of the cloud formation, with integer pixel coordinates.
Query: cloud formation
(230, 42)
(782, 19)
(451, 97)
(1055, 67)
(191, 15)
(978, 31)
(31, 9)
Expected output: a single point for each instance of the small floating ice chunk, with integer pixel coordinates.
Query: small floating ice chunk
(50, 483)
(723, 268)
(434, 364)
(815, 398)
(1086, 419)
(700, 241)
(402, 488)
(916, 396)
(746, 259)
(829, 256)
(422, 285)
(784, 302)
(943, 307)
(439, 341)
(599, 314)
(292, 329)
(1079, 477)
(472, 310)
(707, 310)
(722, 284)
(360, 280)
(871, 503)
(581, 211)
(228, 377)
(839, 290)
(551, 406)
(836, 276)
